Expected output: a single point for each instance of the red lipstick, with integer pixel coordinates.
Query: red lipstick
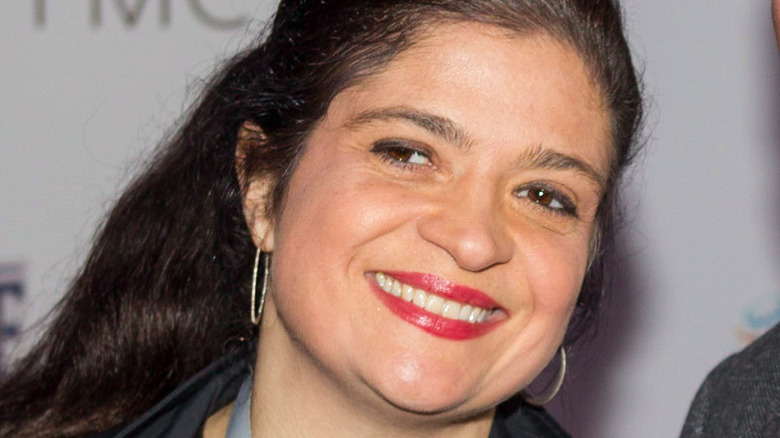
(436, 324)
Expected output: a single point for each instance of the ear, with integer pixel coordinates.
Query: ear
(776, 19)
(256, 191)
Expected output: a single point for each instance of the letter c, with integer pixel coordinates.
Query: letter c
(216, 22)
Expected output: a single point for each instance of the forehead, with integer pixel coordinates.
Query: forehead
(502, 89)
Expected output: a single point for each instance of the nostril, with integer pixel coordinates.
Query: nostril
(480, 249)
(474, 243)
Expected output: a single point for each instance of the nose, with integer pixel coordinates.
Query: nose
(468, 226)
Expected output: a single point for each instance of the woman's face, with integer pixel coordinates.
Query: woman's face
(464, 176)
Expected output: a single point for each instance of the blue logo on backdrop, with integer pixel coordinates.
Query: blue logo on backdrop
(760, 316)
(11, 289)
(131, 11)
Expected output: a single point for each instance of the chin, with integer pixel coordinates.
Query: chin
(437, 409)
(425, 406)
(427, 395)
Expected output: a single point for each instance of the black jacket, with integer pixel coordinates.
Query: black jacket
(183, 413)
(741, 396)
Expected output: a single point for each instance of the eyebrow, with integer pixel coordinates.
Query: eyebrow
(436, 125)
(537, 157)
(541, 158)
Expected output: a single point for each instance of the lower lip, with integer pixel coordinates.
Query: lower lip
(434, 324)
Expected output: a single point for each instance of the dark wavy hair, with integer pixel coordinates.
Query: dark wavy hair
(165, 287)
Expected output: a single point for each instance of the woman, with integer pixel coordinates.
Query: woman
(422, 192)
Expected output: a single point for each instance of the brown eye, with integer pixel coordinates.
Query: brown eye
(548, 198)
(541, 196)
(398, 153)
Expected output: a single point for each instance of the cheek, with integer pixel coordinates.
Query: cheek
(555, 271)
(329, 215)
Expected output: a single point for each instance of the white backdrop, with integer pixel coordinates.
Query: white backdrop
(87, 86)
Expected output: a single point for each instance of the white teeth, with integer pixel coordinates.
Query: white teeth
(419, 298)
(407, 293)
(474, 315)
(386, 283)
(432, 303)
(396, 289)
(451, 310)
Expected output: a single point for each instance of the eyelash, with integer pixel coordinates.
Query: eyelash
(386, 148)
(536, 190)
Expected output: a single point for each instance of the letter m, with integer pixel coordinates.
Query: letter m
(129, 11)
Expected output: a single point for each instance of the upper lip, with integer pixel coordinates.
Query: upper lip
(445, 288)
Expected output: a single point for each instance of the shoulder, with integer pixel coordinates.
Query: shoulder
(517, 419)
(185, 410)
(741, 396)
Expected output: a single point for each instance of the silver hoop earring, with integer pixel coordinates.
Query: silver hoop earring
(541, 400)
(257, 311)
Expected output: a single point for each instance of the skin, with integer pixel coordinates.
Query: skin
(333, 360)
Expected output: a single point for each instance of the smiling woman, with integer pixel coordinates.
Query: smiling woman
(459, 209)
(430, 188)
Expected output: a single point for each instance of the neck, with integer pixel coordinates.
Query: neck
(294, 397)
